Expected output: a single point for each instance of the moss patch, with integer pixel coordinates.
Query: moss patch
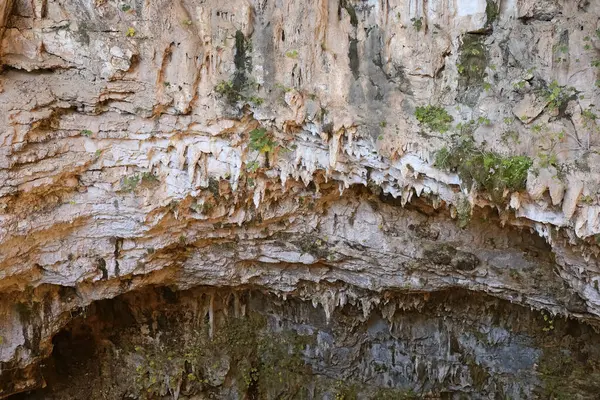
(473, 60)
(492, 10)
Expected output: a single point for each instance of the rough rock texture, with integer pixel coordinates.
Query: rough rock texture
(449, 344)
(288, 147)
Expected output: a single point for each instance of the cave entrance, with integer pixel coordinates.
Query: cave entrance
(248, 344)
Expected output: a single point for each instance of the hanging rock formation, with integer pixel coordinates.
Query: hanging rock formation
(374, 199)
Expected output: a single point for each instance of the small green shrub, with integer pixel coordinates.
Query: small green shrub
(557, 95)
(86, 132)
(227, 89)
(588, 115)
(434, 117)
(292, 54)
(417, 23)
(486, 169)
(262, 141)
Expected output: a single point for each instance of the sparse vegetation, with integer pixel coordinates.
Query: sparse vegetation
(262, 141)
(492, 10)
(130, 32)
(556, 95)
(227, 90)
(488, 170)
(434, 117)
(587, 199)
(472, 61)
(549, 323)
(86, 132)
(510, 136)
(463, 211)
(130, 183)
(292, 54)
(417, 23)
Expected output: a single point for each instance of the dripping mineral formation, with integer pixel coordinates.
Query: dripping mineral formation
(289, 199)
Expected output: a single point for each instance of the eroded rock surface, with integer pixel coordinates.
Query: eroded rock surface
(334, 152)
(207, 343)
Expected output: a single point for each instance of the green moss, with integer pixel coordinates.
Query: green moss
(488, 170)
(395, 394)
(566, 374)
(345, 4)
(472, 62)
(434, 117)
(492, 10)
(240, 88)
(264, 365)
(463, 209)
(314, 246)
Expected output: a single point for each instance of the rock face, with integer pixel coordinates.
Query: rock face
(424, 173)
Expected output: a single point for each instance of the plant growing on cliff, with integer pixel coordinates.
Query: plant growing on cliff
(485, 169)
(434, 117)
(234, 94)
(226, 89)
(262, 141)
(130, 183)
(417, 23)
(557, 95)
(292, 54)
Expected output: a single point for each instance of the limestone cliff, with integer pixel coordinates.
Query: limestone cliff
(424, 172)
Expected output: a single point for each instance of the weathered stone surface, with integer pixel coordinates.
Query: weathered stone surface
(248, 344)
(275, 145)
